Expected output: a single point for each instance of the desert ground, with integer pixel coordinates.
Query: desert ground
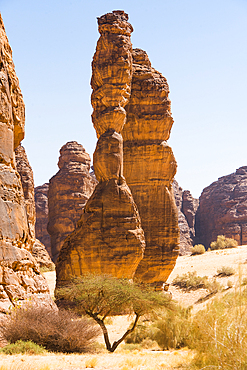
(205, 265)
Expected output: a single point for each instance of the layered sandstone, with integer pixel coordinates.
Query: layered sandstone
(187, 207)
(41, 204)
(108, 238)
(223, 209)
(20, 278)
(149, 168)
(68, 193)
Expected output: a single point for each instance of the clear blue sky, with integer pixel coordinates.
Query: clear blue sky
(198, 45)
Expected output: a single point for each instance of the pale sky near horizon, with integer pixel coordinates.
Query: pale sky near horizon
(198, 45)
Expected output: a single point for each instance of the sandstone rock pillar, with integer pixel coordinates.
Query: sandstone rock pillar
(149, 169)
(108, 238)
(68, 193)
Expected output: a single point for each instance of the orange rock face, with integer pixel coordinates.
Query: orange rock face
(149, 169)
(108, 238)
(68, 193)
(20, 277)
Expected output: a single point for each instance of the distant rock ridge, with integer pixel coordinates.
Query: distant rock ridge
(187, 207)
(68, 192)
(41, 204)
(223, 209)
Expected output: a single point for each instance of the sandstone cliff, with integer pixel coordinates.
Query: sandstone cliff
(223, 209)
(68, 193)
(108, 238)
(41, 204)
(149, 168)
(20, 278)
(186, 205)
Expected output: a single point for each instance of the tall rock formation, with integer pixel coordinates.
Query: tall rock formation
(187, 207)
(108, 238)
(68, 193)
(25, 171)
(41, 203)
(223, 209)
(149, 168)
(20, 278)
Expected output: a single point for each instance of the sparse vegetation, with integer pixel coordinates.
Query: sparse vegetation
(51, 267)
(56, 331)
(219, 333)
(102, 296)
(225, 271)
(222, 242)
(197, 249)
(20, 346)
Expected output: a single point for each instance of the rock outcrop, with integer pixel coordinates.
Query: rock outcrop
(223, 209)
(41, 203)
(187, 207)
(25, 171)
(20, 278)
(68, 193)
(149, 169)
(108, 238)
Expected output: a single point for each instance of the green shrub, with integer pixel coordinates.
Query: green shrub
(225, 271)
(172, 328)
(223, 242)
(59, 331)
(20, 346)
(198, 249)
(219, 333)
(190, 281)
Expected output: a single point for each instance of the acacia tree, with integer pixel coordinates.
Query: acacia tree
(100, 296)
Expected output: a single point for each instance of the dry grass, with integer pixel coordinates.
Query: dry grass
(121, 360)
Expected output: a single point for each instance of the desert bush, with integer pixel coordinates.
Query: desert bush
(198, 249)
(219, 333)
(171, 329)
(59, 331)
(190, 281)
(222, 242)
(20, 346)
(225, 271)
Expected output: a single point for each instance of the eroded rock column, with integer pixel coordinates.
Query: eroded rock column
(108, 238)
(149, 169)
(68, 193)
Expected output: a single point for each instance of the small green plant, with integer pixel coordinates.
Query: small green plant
(225, 271)
(222, 242)
(20, 346)
(51, 267)
(198, 249)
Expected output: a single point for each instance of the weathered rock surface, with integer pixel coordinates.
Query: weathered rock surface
(187, 204)
(42, 256)
(20, 278)
(68, 193)
(149, 168)
(41, 203)
(223, 209)
(108, 238)
(25, 171)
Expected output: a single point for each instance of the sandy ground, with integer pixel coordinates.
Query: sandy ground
(205, 265)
